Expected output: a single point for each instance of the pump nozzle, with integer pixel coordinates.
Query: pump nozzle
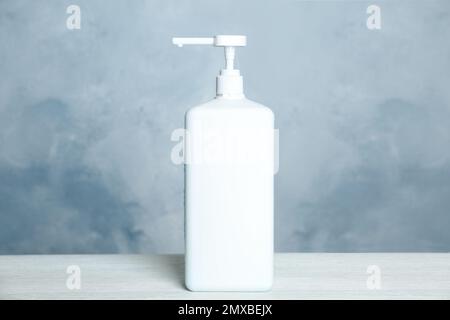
(229, 82)
(183, 41)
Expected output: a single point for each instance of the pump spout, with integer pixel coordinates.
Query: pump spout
(196, 41)
(217, 41)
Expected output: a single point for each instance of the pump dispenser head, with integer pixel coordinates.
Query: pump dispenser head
(229, 82)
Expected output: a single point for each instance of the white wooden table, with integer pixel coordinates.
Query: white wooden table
(297, 276)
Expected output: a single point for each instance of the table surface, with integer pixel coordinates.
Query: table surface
(297, 276)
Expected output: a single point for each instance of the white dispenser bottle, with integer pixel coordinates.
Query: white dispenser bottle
(229, 155)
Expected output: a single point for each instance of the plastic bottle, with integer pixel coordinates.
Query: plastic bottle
(229, 169)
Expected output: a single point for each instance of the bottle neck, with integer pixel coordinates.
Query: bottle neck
(229, 85)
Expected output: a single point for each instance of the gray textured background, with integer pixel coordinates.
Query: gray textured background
(86, 118)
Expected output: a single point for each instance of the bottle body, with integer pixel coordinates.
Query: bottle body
(229, 151)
